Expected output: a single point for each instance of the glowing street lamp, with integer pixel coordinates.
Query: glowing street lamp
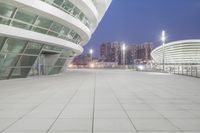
(163, 38)
(91, 53)
(124, 47)
(124, 53)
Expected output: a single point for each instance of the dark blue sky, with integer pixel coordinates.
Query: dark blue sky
(139, 21)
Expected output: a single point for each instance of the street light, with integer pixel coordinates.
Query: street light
(163, 38)
(124, 52)
(91, 52)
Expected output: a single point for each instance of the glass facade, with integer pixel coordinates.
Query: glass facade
(71, 9)
(19, 58)
(22, 56)
(15, 17)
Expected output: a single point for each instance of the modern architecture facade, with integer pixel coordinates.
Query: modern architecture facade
(40, 37)
(180, 57)
(179, 52)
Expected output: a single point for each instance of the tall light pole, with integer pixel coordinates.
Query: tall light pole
(124, 53)
(163, 38)
(91, 53)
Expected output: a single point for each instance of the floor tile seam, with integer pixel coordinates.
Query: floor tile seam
(171, 94)
(10, 125)
(156, 110)
(110, 87)
(153, 109)
(94, 101)
(65, 106)
(57, 91)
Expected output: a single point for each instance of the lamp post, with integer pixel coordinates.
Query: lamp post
(124, 53)
(91, 53)
(163, 38)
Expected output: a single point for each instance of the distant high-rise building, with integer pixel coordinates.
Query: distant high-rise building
(135, 54)
(110, 52)
(144, 52)
(131, 54)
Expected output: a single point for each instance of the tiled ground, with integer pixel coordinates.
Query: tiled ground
(101, 101)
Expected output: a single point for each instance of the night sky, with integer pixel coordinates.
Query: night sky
(139, 21)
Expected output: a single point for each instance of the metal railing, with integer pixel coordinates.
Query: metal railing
(187, 70)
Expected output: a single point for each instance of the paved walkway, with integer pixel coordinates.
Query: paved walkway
(101, 101)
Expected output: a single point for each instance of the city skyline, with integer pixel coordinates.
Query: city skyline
(179, 18)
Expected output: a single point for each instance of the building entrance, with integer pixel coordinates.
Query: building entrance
(44, 63)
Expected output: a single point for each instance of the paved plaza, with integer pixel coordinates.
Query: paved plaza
(101, 101)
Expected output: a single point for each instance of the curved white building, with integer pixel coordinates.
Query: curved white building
(40, 37)
(185, 52)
